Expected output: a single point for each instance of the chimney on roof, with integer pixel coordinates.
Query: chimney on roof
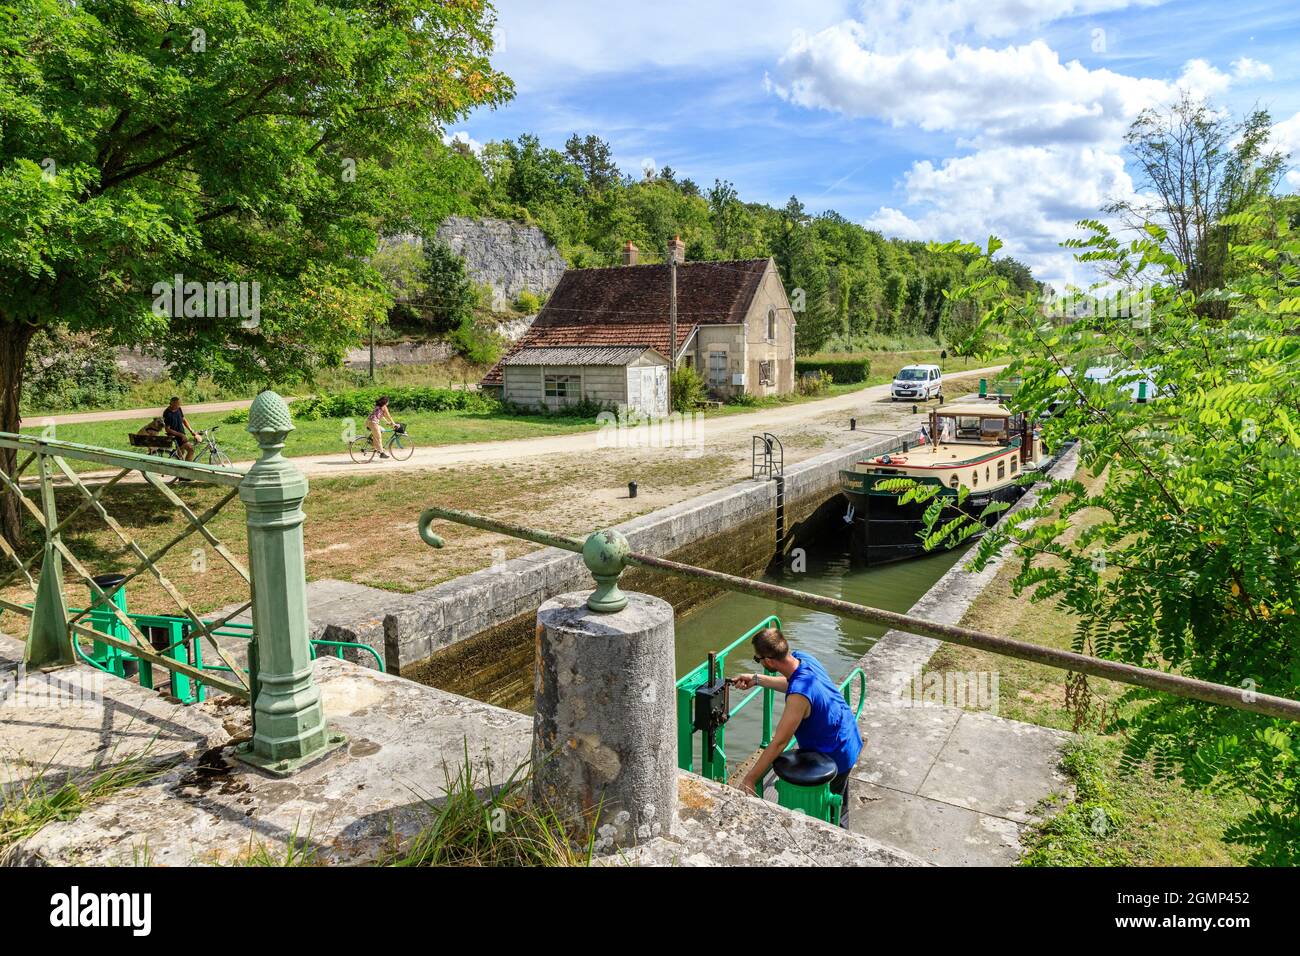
(630, 252)
(676, 250)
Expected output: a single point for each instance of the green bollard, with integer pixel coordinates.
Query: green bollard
(288, 719)
(803, 783)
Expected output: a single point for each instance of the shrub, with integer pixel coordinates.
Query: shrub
(477, 344)
(841, 371)
(814, 383)
(71, 372)
(686, 388)
(358, 402)
(528, 303)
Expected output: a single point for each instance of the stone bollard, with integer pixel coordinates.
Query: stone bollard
(288, 720)
(604, 724)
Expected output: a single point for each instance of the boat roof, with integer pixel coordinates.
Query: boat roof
(979, 409)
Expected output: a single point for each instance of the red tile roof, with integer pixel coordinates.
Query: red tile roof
(628, 305)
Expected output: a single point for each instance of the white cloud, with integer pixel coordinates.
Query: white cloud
(562, 41)
(462, 137)
(1286, 137)
(1248, 69)
(894, 25)
(1010, 93)
(1046, 135)
(1030, 196)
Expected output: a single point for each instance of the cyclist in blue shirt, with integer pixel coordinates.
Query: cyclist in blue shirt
(176, 426)
(816, 714)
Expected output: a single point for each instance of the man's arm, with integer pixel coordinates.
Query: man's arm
(770, 681)
(797, 707)
(186, 422)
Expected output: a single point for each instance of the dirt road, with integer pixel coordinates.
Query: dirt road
(827, 419)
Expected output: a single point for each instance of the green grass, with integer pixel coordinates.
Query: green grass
(327, 435)
(1136, 819)
(26, 808)
(481, 825)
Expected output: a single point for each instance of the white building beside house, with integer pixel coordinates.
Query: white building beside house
(634, 377)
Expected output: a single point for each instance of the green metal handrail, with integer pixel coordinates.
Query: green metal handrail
(714, 766)
(187, 690)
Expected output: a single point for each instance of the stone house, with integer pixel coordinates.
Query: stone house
(734, 325)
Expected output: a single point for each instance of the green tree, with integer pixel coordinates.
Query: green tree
(144, 139)
(1197, 165)
(1189, 562)
(803, 269)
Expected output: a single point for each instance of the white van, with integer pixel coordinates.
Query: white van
(917, 382)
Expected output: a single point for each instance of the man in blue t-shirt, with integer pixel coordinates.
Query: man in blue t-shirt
(816, 714)
(176, 425)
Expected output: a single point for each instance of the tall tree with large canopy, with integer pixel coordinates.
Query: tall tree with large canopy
(221, 141)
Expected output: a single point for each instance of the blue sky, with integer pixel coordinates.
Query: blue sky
(928, 119)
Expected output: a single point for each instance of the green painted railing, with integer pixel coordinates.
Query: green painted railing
(714, 765)
(178, 643)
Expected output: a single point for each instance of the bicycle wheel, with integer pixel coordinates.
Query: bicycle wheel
(361, 450)
(220, 458)
(401, 447)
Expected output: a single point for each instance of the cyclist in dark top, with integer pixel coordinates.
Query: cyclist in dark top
(178, 426)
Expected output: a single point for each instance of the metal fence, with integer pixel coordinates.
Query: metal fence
(288, 723)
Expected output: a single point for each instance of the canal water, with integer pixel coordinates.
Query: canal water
(836, 642)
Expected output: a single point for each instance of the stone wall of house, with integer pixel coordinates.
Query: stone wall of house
(511, 257)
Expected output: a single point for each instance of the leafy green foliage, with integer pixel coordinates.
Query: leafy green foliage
(360, 402)
(841, 371)
(68, 372)
(246, 142)
(687, 389)
(448, 297)
(1191, 561)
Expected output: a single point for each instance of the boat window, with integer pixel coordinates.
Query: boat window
(986, 472)
(1015, 466)
(993, 429)
(953, 481)
(1002, 469)
(968, 426)
(975, 478)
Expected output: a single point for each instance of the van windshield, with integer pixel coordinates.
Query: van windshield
(912, 375)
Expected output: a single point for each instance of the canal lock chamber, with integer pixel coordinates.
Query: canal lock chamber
(496, 666)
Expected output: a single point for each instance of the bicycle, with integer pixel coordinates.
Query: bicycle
(398, 445)
(209, 448)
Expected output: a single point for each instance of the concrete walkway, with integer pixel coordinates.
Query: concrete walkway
(405, 742)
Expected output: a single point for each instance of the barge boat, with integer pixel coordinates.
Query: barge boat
(978, 445)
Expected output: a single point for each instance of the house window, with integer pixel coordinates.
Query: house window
(766, 375)
(771, 323)
(717, 370)
(563, 389)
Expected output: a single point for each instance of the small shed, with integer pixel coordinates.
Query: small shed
(632, 376)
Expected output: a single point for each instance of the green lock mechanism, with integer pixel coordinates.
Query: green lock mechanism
(712, 704)
(803, 783)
